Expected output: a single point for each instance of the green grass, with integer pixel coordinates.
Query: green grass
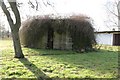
(108, 47)
(57, 64)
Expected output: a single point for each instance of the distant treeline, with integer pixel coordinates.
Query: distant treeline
(5, 34)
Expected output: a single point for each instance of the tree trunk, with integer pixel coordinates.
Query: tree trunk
(118, 7)
(16, 43)
(14, 26)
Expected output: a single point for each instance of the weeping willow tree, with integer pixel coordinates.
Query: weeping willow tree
(78, 28)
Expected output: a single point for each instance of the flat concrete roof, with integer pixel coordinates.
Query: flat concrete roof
(114, 32)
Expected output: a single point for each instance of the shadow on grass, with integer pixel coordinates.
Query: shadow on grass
(47, 52)
(91, 61)
(34, 69)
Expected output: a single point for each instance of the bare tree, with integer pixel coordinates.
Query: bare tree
(14, 26)
(113, 10)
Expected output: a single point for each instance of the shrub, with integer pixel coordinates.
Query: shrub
(79, 29)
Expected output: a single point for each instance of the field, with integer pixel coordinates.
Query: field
(39, 63)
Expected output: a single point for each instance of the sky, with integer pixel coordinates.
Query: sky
(92, 8)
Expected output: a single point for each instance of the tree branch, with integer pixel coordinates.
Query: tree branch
(16, 13)
(36, 5)
(7, 13)
(112, 12)
(118, 10)
(32, 5)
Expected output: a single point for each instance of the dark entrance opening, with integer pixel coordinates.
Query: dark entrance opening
(116, 39)
(50, 38)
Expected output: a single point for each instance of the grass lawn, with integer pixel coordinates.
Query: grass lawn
(57, 64)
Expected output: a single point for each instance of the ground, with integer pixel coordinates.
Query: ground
(39, 63)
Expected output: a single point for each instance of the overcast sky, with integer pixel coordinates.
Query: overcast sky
(92, 8)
